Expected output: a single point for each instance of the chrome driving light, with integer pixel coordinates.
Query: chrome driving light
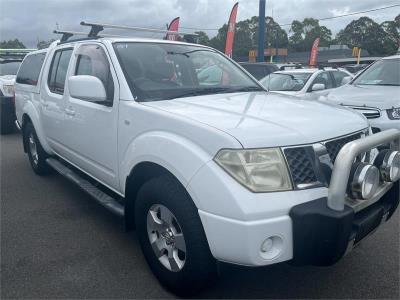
(388, 162)
(365, 181)
(259, 170)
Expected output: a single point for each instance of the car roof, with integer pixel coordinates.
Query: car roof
(311, 71)
(392, 57)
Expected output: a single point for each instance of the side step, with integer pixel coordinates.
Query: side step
(101, 197)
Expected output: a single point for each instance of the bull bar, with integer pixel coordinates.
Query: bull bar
(345, 159)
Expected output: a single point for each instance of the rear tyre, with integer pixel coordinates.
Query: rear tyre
(172, 237)
(36, 154)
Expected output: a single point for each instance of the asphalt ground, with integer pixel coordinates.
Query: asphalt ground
(56, 242)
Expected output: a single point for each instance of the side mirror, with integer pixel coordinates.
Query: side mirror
(87, 87)
(318, 87)
(346, 80)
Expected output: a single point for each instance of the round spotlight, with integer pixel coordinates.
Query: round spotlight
(390, 167)
(365, 181)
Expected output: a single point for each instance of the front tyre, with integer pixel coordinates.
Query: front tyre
(36, 154)
(172, 237)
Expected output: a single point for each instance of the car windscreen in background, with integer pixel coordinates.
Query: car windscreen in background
(9, 67)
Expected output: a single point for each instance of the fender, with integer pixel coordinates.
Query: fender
(178, 155)
(30, 110)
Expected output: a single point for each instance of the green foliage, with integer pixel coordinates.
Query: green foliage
(246, 36)
(303, 34)
(12, 44)
(367, 34)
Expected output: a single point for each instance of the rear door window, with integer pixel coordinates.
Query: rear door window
(30, 69)
(339, 75)
(323, 78)
(58, 70)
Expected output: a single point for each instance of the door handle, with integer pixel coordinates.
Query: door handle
(69, 112)
(45, 104)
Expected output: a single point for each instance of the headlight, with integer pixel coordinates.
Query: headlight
(8, 90)
(259, 170)
(394, 113)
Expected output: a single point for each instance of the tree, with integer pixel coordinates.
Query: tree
(44, 44)
(391, 37)
(202, 38)
(12, 44)
(364, 33)
(303, 34)
(246, 36)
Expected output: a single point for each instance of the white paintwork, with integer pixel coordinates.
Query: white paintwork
(183, 136)
(86, 87)
(6, 80)
(377, 97)
(307, 91)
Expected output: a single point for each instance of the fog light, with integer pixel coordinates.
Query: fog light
(365, 181)
(388, 162)
(271, 248)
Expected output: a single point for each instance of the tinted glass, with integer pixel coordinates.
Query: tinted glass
(290, 82)
(257, 71)
(9, 68)
(384, 72)
(324, 78)
(338, 75)
(30, 69)
(59, 68)
(157, 71)
(92, 60)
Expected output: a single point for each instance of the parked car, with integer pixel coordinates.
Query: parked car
(205, 173)
(10, 60)
(306, 83)
(8, 68)
(375, 93)
(259, 70)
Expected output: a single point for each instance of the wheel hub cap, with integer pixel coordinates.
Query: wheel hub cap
(166, 237)
(33, 149)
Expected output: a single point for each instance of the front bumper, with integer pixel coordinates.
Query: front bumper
(315, 226)
(311, 234)
(321, 236)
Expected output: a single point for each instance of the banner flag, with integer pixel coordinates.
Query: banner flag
(173, 26)
(314, 52)
(230, 35)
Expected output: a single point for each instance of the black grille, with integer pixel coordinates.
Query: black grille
(301, 165)
(334, 146)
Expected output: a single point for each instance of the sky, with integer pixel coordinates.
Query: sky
(33, 20)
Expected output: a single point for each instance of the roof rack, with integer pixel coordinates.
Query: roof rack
(96, 28)
(68, 34)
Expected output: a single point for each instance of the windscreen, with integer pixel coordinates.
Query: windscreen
(292, 82)
(9, 68)
(385, 72)
(158, 71)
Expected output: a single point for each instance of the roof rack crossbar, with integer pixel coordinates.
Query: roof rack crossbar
(97, 27)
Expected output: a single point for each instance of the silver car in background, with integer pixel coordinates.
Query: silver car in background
(375, 92)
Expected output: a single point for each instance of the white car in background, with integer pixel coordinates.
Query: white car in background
(306, 83)
(375, 92)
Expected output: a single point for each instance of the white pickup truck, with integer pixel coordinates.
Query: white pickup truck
(205, 173)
